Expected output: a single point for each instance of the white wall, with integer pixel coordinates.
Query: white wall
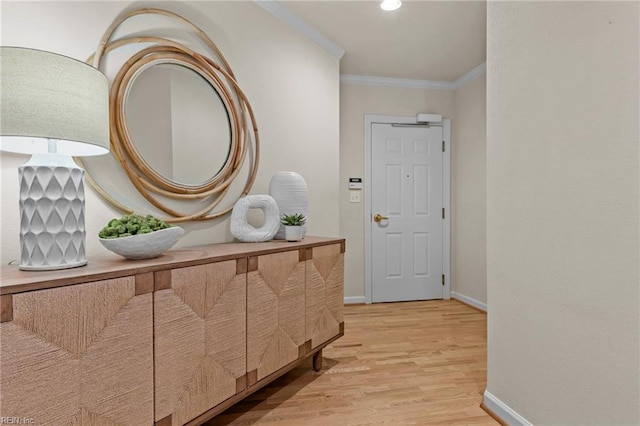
(563, 211)
(292, 84)
(469, 192)
(355, 102)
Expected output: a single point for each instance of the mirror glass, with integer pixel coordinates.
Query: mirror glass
(178, 124)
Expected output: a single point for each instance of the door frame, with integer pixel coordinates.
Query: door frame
(369, 120)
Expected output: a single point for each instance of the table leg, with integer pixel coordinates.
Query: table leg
(317, 361)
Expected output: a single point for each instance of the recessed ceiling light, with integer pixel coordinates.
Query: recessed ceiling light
(390, 4)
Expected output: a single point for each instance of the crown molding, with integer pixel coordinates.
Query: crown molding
(367, 80)
(474, 73)
(278, 10)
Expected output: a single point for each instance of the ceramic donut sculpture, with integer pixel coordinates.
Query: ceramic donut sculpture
(243, 230)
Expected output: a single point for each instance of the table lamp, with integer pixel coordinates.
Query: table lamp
(53, 107)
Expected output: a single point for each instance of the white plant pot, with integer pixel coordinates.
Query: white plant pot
(293, 233)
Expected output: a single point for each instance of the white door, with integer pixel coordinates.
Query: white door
(406, 193)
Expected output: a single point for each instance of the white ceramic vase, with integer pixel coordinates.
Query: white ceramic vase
(289, 189)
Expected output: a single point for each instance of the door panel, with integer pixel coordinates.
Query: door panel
(275, 300)
(200, 329)
(407, 166)
(78, 354)
(324, 296)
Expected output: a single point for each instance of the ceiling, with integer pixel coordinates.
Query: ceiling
(424, 40)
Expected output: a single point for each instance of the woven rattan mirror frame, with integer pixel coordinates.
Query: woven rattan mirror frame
(150, 184)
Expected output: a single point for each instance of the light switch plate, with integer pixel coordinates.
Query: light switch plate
(354, 196)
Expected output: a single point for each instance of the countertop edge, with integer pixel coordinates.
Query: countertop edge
(13, 280)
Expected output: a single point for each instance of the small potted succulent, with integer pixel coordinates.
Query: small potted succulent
(293, 230)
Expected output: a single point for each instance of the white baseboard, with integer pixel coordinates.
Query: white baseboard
(350, 300)
(469, 301)
(503, 411)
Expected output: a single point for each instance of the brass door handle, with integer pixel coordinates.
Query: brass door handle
(378, 217)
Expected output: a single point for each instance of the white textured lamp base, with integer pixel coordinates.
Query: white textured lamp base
(52, 233)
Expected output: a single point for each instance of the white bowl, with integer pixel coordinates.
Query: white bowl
(144, 246)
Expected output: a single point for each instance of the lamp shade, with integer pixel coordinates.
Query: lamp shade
(45, 96)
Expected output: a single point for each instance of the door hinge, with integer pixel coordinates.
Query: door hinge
(442, 146)
(443, 212)
(442, 279)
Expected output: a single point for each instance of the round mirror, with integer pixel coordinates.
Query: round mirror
(181, 128)
(178, 124)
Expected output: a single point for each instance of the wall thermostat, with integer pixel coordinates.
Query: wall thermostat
(355, 183)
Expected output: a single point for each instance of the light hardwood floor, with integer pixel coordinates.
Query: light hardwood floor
(411, 363)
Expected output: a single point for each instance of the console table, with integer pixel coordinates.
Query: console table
(167, 341)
